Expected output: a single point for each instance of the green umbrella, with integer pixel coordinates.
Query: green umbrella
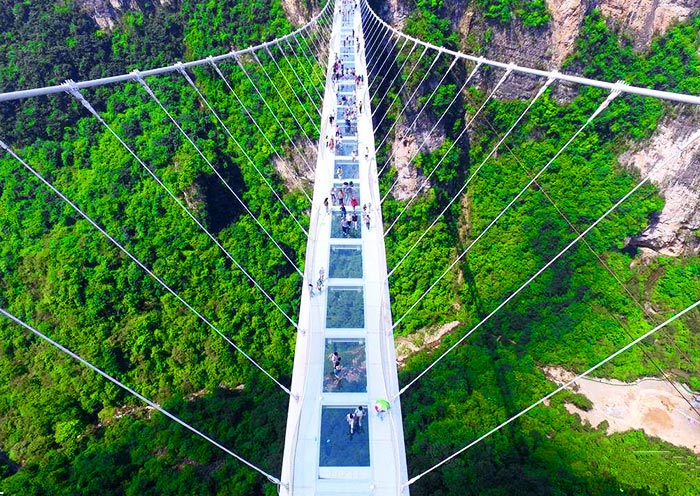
(381, 405)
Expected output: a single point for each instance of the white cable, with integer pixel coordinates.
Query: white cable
(410, 99)
(267, 140)
(600, 108)
(299, 80)
(284, 101)
(437, 123)
(215, 171)
(276, 119)
(289, 85)
(126, 388)
(560, 388)
(398, 73)
(149, 272)
(635, 90)
(455, 196)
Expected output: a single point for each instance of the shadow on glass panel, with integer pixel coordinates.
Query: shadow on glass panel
(340, 448)
(345, 370)
(346, 226)
(346, 308)
(346, 261)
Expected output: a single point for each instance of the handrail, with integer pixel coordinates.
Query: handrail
(635, 90)
(178, 66)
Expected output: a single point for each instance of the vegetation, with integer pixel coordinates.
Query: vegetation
(64, 430)
(574, 314)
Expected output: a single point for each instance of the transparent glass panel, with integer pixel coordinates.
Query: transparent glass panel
(346, 261)
(340, 448)
(351, 377)
(351, 228)
(346, 307)
(347, 169)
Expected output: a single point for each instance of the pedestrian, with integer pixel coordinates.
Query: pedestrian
(341, 197)
(353, 218)
(337, 372)
(366, 153)
(366, 218)
(343, 210)
(359, 414)
(334, 195)
(339, 170)
(325, 204)
(344, 227)
(350, 419)
(353, 202)
(334, 358)
(360, 107)
(331, 118)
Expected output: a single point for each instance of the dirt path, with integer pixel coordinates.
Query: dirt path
(651, 405)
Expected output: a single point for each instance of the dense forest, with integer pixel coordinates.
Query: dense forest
(65, 430)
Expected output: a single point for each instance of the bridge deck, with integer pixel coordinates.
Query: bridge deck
(351, 314)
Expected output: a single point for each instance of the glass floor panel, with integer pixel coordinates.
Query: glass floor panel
(345, 261)
(349, 189)
(346, 148)
(339, 448)
(352, 377)
(346, 169)
(352, 229)
(346, 308)
(348, 87)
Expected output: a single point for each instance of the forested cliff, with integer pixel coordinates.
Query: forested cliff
(65, 430)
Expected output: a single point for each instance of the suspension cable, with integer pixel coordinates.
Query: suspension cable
(398, 73)
(454, 143)
(291, 88)
(151, 273)
(48, 90)
(451, 147)
(600, 108)
(299, 80)
(376, 82)
(610, 271)
(260, 130)
(635, 90)
(527, 283)
(282, 98)
(559, 389)
(461, 190)
(437, 123)
(410, 99)
(307, 77)
(208, 162)
(274, 116)
(126, 388)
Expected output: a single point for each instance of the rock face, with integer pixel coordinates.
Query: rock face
(673, 158)
(106, 13)
(644, 19)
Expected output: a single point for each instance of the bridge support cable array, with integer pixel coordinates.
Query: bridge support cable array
(457, 195)
(133, 392)
(556, 75)
(262, 98)
(189, 139)
(625, 290)
(562, 387)
(643, 182)
(143, 267)
(345, 312)
(92, 83)
(595, 114)
(472, 73)
(452, 145)
(267, 140)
